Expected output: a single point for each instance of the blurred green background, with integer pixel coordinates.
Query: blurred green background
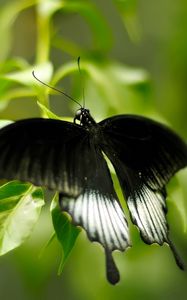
(133, 60)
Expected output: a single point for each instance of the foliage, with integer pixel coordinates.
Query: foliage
(111, 87)
(65, 231)
(20, 206)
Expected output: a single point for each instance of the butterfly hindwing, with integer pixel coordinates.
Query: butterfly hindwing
(99, 212)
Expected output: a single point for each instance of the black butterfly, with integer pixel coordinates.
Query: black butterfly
(68, 158)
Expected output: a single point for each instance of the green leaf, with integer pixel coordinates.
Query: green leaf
(7, 92)
(20, 206)
(118, 85)
(63, 71)
(66, 232)
(42, 71)
(15, 63)
(48, 112)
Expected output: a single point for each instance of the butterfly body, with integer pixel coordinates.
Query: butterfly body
(84, 117)
(68, 158)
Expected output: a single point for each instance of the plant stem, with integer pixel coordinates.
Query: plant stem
(43, 48)
(43, 37)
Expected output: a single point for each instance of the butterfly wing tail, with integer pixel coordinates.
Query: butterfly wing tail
(112, 272)
(180, 263)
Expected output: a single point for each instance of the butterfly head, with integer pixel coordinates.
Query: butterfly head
(83, 116)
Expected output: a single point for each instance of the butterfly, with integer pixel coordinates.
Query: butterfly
(70, 158)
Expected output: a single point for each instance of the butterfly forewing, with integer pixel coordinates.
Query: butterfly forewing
(145, 146)
(45, 152)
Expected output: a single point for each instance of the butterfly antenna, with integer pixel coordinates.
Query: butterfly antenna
(82, 84)
(55, 89)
